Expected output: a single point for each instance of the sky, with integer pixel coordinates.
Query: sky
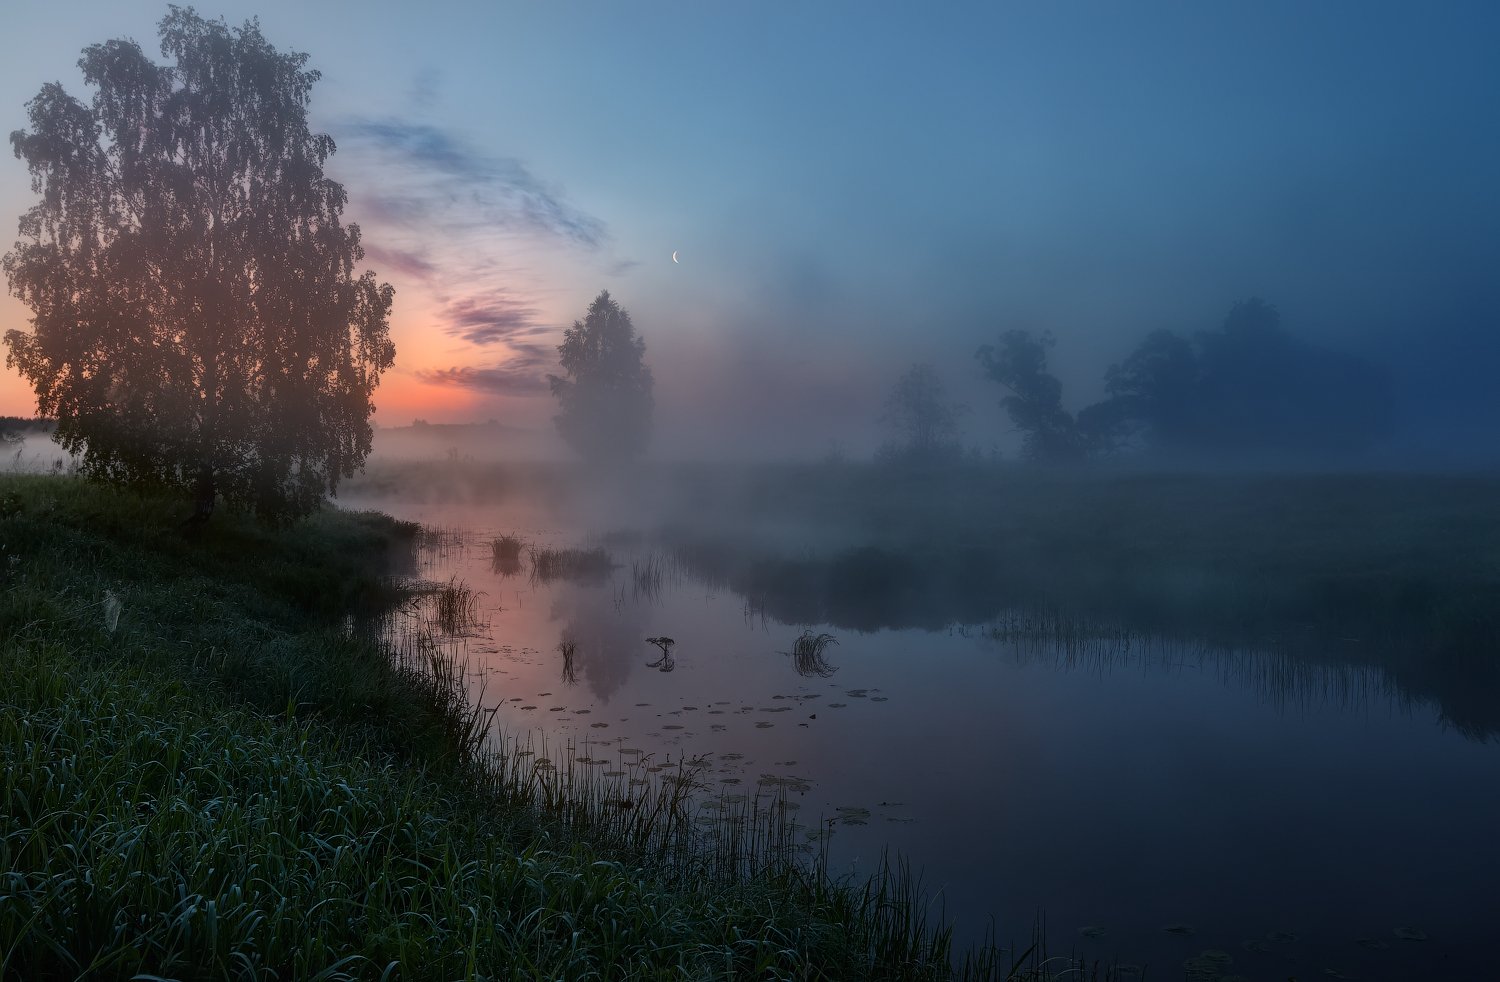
(852, 188)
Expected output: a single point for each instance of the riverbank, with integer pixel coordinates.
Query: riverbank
(208, 774)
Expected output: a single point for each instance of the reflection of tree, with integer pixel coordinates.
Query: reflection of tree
(606, 637)
(1414, 655)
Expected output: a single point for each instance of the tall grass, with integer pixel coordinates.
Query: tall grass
(808, 657)
(506, 548)
(587, 565)
(505, 555)
(454, 610)
(648, 576)
(568, 649)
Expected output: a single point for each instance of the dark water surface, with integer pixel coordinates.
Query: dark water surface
(1299, 815)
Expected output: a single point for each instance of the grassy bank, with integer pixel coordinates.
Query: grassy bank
(206, 774)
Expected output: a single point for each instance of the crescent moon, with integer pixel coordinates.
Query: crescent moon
(674, 256)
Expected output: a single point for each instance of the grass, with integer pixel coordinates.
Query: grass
(211, 769)
(807, 655)
(454, 610)
(584, 565)
(568, 648)
(506, 548)
(648, 575)
(505, 555)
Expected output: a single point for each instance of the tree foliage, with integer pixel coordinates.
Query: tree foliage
(1248, 387)
(1049, 433)
(922, 417)
(197, 319)
(604, 395)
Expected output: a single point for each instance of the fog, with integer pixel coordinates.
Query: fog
(1096, 173)
(1055, 443)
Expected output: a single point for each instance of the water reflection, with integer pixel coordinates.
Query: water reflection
(869, 588)
(606, 637)
(1007, 729)
(665, 663)
(505, 555)
(568, 648)
(807, 655)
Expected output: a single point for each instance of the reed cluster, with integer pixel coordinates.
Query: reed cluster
(588, 565)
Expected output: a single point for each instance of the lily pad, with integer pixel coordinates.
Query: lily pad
(1411, 934)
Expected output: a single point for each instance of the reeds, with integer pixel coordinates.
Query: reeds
(506, 548)
(807, 655)
(586, 565)
(453, 610)
(438, 543)
(568, 648)
(647, 576)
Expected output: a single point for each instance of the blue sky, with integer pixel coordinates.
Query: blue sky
(855, 187)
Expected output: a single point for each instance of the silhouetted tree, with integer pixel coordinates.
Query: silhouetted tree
(604, 397)
(1049, 432)
(924, 419)
(1156, 388)
(196, 316)
(1250, 386)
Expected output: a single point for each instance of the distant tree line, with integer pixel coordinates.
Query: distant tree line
(1247, 388)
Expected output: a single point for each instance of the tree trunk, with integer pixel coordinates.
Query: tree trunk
(204, 493)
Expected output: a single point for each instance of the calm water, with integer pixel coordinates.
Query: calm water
(1281, 810)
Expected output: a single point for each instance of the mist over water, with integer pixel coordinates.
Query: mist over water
(1054, 445)
(1156, 779)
